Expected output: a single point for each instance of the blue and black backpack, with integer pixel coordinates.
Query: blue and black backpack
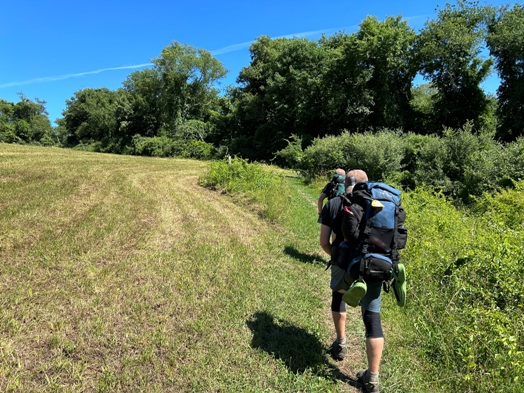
(374, 225)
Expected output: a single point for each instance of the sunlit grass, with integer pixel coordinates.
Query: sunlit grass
(122, 274)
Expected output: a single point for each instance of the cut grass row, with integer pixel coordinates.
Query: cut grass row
(122, 274)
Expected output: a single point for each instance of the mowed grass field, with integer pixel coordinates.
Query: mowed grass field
(120, 273)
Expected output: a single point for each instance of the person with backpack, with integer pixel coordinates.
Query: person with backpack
(371, 220)
(331, 223)
(333, 189)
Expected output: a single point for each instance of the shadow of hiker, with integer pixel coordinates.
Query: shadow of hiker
(298, 349)
(302, 257)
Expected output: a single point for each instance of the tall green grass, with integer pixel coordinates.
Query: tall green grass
(462, 328)
(263, 187)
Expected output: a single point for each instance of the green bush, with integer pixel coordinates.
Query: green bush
(165, 146)
(324, 154)
(160, 146)
(465, 316)
(91, 147)
(199, 150)
(511, 162)
(423, 162)
(469, 159)
(292, 155)
(461, 163)
(379, 154)
(265, 188)
(8, 134)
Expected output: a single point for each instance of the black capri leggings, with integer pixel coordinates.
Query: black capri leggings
(337, 305)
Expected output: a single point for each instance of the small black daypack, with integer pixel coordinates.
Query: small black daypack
(373, 224)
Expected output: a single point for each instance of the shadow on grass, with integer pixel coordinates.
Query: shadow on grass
(302, 257)
(298, 349)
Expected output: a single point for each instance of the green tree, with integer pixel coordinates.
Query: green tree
(180, 87)
(280, 94)
(348, 100)
(24, 122)
(7, 133)
(385, 48)
(448, 54)
(89, 117)
(144, 114)
(506, 44)
(422, 102)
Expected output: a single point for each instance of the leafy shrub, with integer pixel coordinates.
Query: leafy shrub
(324, 154)
(466, 291)
(254, 181)
(164, 146)
(196, 149)
(292, 155)
(423, 162)
(48, 140)
(379, 154)
(8, 134)
(511, 162)
(91, 147)
(461, 163)
(160, 146)
(469, 160)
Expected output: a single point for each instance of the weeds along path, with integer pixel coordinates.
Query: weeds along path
(122, 274)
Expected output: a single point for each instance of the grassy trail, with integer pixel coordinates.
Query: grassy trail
(122, 274)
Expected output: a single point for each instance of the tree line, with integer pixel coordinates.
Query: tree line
(303, 89)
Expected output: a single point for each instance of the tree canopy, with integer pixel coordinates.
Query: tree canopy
(296, 89)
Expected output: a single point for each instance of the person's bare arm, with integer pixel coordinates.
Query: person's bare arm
(325, 235)
(320, 202)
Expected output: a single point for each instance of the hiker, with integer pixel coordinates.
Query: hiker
(333, 189)
(360, 265)
(331, 221)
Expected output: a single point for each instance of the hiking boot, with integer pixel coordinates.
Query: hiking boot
(399, 284)
(368, 381)
(355, 292)
(339, 349)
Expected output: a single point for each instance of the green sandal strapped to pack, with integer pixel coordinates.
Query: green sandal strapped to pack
(399, 284)
(356, 291)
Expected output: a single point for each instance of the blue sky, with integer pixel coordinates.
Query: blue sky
(54, 48)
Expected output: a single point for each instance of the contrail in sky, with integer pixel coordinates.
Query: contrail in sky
(221, 51)
(243, 45)
(69, 76)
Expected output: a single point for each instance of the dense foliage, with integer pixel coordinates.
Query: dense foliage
(462, 328)
(506, 43)
(359, 82)
(255, 182)
(460, 163)
(465, 268)
(25, 122)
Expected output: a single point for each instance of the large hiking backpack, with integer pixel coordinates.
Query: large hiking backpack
(335, 187)
(373, 225)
